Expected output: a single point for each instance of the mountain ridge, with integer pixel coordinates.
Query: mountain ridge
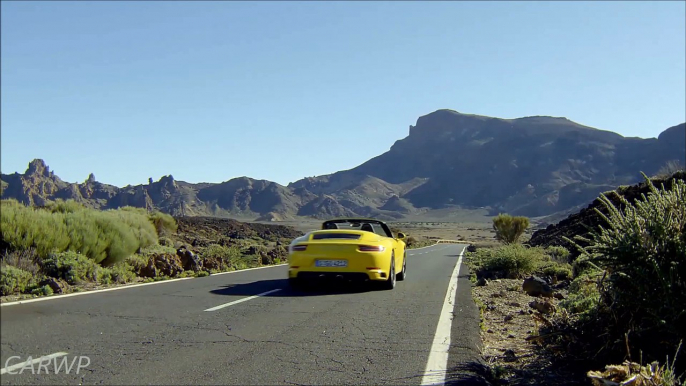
(532, 166)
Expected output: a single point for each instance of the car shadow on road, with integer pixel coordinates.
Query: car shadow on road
(311, 289)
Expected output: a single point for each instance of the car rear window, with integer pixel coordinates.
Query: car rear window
(347, 236)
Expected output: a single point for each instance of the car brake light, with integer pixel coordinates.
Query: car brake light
(371, 248)
(298, 248)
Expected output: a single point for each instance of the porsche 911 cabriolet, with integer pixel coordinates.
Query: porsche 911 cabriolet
(349, 249)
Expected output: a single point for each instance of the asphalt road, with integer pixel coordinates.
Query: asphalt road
(177, 333)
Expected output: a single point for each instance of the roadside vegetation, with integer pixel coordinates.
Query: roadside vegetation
(513, 260)
(413, 242)
(614, 315)
(418, 242)
(509, 229)
(631, 286)
(65, 247)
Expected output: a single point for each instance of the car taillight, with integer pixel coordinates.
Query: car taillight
(298, 248)
(371, 248)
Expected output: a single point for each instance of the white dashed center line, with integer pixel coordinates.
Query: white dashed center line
(241, 300)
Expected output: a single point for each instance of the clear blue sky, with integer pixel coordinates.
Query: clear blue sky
(209, 91)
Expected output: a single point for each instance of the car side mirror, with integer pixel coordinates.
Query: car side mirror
(401, 236)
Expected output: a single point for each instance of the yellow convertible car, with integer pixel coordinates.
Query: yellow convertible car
(350, 249)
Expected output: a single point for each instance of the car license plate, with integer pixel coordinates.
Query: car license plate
(332, 263)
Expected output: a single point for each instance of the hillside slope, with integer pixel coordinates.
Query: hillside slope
(577, 223)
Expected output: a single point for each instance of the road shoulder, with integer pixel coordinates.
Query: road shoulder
(465, 362)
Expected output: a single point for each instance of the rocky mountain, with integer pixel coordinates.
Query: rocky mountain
(530, 166)
(533, 166)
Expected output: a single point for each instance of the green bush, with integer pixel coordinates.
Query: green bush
(248, 261)
(13, 280)
(73, 267)
(103, 275)
(227, 256)
(164, 223)
(562, 271)
(26, 259)
(254, 249)
(106, 237)
(558, 254)
(583, 296)
(61, 206)
(166, 242)
(24, 228)
(11, 203)
(119, 273)
(157, 249)
(137, 261)
(45, 290)
(509, 229)
(641, 247)
(512, 260)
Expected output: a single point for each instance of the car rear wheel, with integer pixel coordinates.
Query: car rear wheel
(390, 283)
(403, 274)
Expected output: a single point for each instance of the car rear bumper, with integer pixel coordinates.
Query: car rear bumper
(376, 275)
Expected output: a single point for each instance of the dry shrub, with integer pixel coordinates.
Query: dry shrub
(509, 229)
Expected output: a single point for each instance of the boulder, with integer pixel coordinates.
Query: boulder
(189, 260)
(149, 270)
(210, 263)
(535, 286)
(162, 265)
(266, 260)
(542, 306)
(279, 252)
(58, 286)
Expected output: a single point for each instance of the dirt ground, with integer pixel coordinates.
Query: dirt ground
(509, 331)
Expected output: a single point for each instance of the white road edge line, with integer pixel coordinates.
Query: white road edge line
(436, 366)
(241, 300)
(32, 362)
(126, 287)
